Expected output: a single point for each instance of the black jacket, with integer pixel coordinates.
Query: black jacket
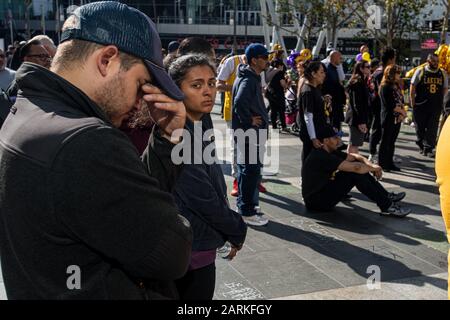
(358, 110)
(74, 192)
(201, 195)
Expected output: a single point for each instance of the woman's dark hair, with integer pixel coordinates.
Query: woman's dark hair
(313, 66)
(194, 45)
(389, 75)
(181, 66)
(357, 74)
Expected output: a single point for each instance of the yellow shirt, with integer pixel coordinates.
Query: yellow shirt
(443, 178)
(228, 103)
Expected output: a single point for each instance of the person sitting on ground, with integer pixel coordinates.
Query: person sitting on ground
(328, 175)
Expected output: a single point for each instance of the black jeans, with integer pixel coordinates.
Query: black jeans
(277, 109)
(307, 148)
(198, 284)
(337, 116)
(427, 124)
(390, 131)
(333, 193)
(375, 130)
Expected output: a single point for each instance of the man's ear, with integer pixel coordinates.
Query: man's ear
(106, 58)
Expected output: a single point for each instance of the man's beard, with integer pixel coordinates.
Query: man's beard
(110, 98)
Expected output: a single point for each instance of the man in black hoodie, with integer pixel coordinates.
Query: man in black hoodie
(80, 215)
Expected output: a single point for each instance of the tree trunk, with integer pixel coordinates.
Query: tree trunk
(389, 26)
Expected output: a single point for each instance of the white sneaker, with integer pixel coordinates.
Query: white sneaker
(256, 220)
(373, 158)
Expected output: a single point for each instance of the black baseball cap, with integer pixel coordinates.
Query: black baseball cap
(326, 132)
(130, 30)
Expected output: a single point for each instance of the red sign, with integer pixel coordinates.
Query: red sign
(429, 44)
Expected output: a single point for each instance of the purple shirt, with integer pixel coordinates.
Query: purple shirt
(200, 259)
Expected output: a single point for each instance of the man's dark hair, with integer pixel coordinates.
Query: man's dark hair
(388, 54)
(276, 63)
(374, 63)
(25, 50)
(195, 45)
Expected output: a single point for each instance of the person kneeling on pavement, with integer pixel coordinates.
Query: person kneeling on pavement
(328, 175)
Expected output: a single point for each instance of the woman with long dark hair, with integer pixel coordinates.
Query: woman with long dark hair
(357, 113)
(392, 115)
(313, 111)
(200, 191)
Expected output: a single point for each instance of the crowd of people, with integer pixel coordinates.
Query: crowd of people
(88, 129)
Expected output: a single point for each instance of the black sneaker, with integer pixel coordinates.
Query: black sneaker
(396, 197)
(429, 154)
(395, 168)
(396, 210)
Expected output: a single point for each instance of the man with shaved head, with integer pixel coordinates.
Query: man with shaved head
(333, 87)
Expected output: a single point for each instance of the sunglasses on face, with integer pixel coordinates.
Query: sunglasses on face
(40, 56)
(263, 57)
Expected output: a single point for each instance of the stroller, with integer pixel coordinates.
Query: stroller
(291, 110)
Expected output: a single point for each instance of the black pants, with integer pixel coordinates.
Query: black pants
(390, 131)
(426, 118)
(333, 193)
(198, 284)
(277, 109)
(307, 148)
(375, 130)
(337, 116)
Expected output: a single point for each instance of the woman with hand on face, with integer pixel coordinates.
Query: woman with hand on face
(313, 112)
(200, 192)
(357, 113)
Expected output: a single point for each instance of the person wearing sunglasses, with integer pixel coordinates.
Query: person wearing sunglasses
(249, 115)
(32, 52)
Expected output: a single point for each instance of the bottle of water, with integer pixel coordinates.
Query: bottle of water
(224, 251)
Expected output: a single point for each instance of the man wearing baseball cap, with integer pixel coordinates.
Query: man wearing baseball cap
(249, 115)
(328, 175)
(80, 215)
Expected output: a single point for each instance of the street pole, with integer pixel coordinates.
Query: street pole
(234, 28)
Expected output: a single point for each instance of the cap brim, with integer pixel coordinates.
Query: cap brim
(163, 81)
